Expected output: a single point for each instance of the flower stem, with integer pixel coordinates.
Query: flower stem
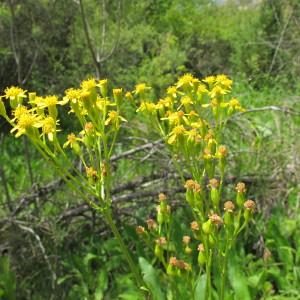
(108, 217)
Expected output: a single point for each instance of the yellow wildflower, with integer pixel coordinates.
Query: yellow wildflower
(91, 172)
(71, 140)
(88, 84)
(186, 100)
(209, 79)
(176, 133)
(146, 106)
(114, 118)
(49, 127)
(25, 123)
(185, 81)
(217, 91)
(171, 91)
(13, 92)
(141, 88)
(73, 94)
(224, 81)
(19, 111)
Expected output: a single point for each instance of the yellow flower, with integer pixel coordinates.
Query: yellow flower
(209, 79)
(185, 81)
(73, 94)
(103, 87)
(171, 91)
(25, 123)
(193, 135)
(166, 102)
(102, 102)
(176, 133)
(128, 96)
(114, 118)
(224, 80)
(147, 106)
(49, 101)
(88, 84)
(71, 140)
(91, 172)
(174, 118)
(49, 127)
(186, 100)
(117, 95)
(141, 88)
(202, 89)
(19, 111)
(217, 91)
(13, 92)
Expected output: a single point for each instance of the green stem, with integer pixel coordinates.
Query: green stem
(208, 278)
(223, 271)
(112, 225)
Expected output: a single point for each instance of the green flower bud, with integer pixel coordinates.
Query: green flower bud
(201, 255)
(2, 109)
(215, 197)
(206, 227)
(158, 251)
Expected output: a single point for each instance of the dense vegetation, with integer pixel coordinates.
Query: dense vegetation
(52, 244)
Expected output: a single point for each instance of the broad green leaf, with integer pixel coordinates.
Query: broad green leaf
(238, 281)
(151, 279)
(200, 288)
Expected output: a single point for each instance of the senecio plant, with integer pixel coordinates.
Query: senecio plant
(191, 119)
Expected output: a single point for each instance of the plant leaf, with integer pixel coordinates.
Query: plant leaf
(151, 279)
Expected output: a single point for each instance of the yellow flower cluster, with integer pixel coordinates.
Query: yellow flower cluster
(37, 116)
(192, 115)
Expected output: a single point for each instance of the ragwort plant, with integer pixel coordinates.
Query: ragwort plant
(191, 119)
(98, 113)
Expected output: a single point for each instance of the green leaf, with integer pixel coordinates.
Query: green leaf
(238, 281)
(200, 288)
(151, 279)
(102, 284)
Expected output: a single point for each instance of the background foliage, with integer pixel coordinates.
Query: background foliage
(52, 245)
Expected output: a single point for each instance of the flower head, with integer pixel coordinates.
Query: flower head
(195, 226)
(216, 219)
(185, 81)
(141, 88)
(186, 239)
(13, 92)
(88, 84)
(250, 205)
(229, 206)
(241, 188)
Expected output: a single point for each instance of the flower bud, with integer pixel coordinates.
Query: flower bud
(160, 243)
(171, 267)
(103, 87)
(117, 95)
(249, 206)
(201, 255)
(216, 220)
(151, 224)
(206, 227)
(140, 230)
(195, 226)
(2, 109)
(214, 192)
(228, 216)
(186, 239)
(241, 190)
(187, 250)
